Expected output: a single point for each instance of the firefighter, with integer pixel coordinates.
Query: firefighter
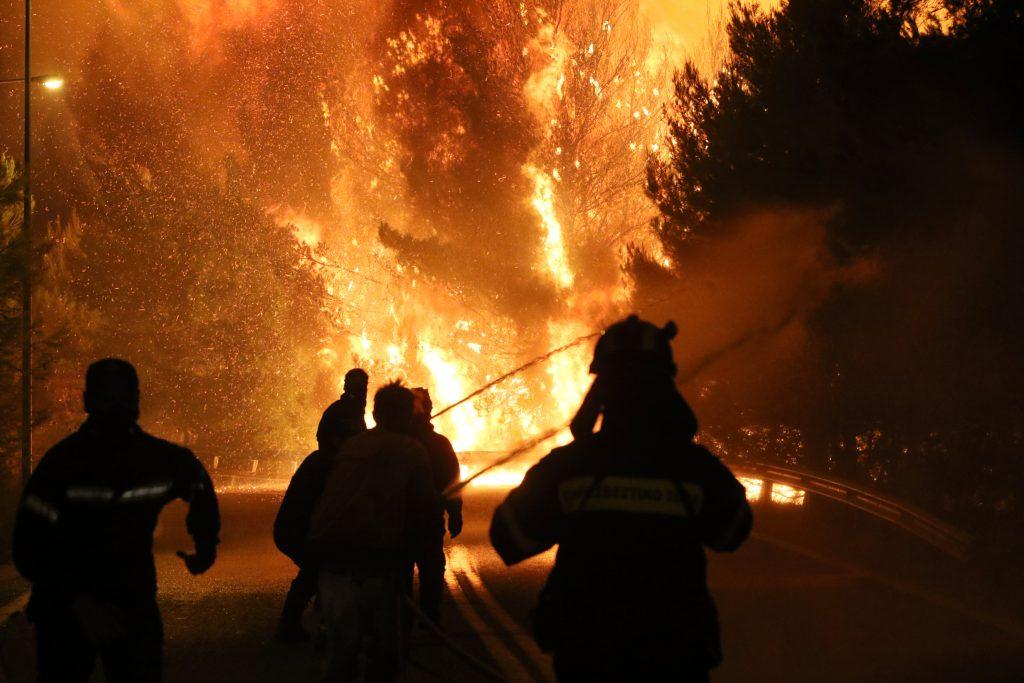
(444, 471)
(83, 536)
(344, 418)
(631, 509)
(374, 517)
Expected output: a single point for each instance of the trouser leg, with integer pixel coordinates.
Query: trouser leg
(139, 657)
(431, 568)
(339, 605)
(302, 590)
(63, 653)
(379, 598)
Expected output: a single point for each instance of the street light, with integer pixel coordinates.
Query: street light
(50, 82)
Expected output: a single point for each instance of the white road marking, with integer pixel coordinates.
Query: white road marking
(467, 565)
(510, 666)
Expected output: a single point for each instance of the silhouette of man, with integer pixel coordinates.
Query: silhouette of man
(346, 416)
(375, 515)
(84, 536)
(631, 509)
(343, 419)
(444, 471)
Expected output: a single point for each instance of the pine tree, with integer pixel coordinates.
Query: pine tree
(898, 119)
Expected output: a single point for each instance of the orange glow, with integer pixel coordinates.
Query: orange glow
(306, 230)
(398, 322)
(753, 487)
(783, 494)
(543, 203)
(500, 477)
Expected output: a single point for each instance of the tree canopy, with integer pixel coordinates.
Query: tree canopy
(900, 122)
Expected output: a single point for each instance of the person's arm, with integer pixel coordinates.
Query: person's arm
(725, 519)
(203, 520)
(451, 475)
(291, 526)
(326, 430)
(36, 542)
(583, 422)
(526, 523)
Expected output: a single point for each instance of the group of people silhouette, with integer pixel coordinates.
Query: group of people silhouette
(631, 506)
(360, 512)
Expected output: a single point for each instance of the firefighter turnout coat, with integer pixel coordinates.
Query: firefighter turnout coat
(86, 520)
(631, 522)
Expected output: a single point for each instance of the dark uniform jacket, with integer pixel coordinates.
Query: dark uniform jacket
(443, 463)
(342, 419)
(86, 520)
(291, 526)
(631, 523)
(378, 507)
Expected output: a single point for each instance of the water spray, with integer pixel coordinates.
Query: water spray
(528, 445)
(521, 368)
(524, 447)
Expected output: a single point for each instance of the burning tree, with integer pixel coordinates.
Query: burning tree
(503, 151)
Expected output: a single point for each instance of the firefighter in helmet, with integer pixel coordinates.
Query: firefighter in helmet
(631, 508)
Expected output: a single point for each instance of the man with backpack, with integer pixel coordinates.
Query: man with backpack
(376, 514)
(632, 508)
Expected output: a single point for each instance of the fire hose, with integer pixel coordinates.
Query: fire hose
(527, 445)
(524, 447)
(419, 615)
(516, 371)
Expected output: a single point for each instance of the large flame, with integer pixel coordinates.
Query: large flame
(543, 202)
(466, 182)
(403, 320)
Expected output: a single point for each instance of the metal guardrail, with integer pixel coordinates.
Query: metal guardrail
(914, 520)
(911, 519)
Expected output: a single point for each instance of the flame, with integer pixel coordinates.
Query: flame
(306, 230)
(545, 87)
(398, 322)
(543, 202)
(465, 425)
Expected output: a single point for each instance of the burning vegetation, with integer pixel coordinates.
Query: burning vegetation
(265, 197)
(248, 198)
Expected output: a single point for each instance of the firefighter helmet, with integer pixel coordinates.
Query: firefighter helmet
(636, 344)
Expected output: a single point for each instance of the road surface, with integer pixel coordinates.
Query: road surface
(800, 602)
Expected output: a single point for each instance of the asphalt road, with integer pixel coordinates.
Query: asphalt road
(800, 602)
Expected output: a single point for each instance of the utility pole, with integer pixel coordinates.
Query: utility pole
(26, 294)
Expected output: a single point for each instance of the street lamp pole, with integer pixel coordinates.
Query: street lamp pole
(26, 293)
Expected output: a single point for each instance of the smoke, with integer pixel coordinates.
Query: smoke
(746, 301)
